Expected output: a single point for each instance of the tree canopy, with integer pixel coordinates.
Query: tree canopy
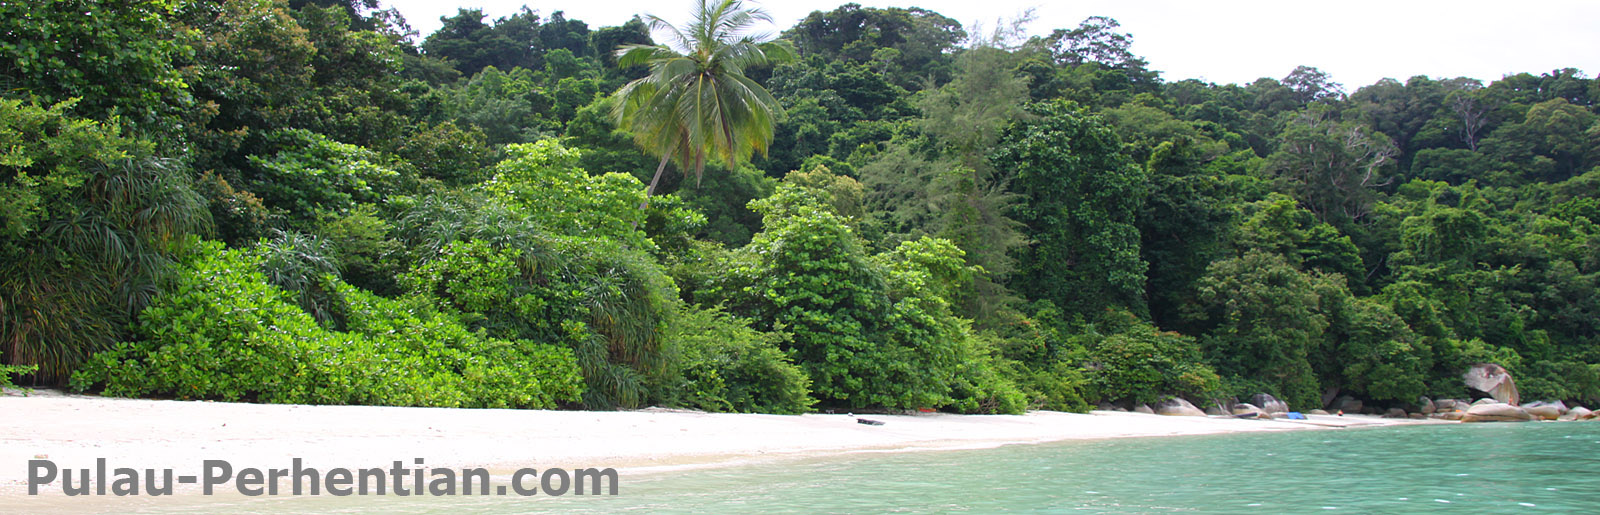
(303, 201)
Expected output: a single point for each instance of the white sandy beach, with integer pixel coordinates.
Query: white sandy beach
(74, 430)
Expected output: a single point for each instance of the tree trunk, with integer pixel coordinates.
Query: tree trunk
(653, 181)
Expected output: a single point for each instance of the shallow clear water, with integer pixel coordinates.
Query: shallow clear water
(1477, 468)
(1472, 467)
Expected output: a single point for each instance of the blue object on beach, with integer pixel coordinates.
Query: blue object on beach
(1295, 415)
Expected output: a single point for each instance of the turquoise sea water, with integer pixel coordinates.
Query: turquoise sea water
(1470, 468)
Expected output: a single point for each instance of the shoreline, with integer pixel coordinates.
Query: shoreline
(74, 430)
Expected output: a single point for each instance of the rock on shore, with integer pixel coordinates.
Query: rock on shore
(1496, 412)
(1178, 407)
(1269, 404)
(1449, 405)
(1546, 410)
(1578, 413)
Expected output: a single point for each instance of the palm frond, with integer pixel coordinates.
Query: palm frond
(633, 55)
(71, 288)
(697, 104)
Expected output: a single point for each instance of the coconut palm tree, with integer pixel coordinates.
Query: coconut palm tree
(697, 104)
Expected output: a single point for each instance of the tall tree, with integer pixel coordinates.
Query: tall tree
(953, 191)
(697, 103)
(1097, 56)
(116, 57)
(909, 46)
(1553, 142)
(1095, 40)
(1080, 196)
(471, 45)
(1313, 85)
(1332, 167)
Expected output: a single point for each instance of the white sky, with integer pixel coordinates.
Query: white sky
(1356, 41)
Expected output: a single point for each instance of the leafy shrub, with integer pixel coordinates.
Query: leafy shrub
(453, 155)
(722, 198)
(543, 180)
(314, 174)
(1032, 351)
(118, 57)
(870, 331)
(7, 370)
(1058, 386)
(984, 381)
(1137, 363)
(605, 302)
(546, 251)
(724, 365)
(815, 278)
(485, 372)
(240, 216)
(368, 258)
(223, 332)
(1266, 322)
(1567, 380)
(1377, 355)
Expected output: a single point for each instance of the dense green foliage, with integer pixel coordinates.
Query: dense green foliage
(6, 371)
(120, 57)
(898, 215)
(1131, 361)
(221, 331)
(89, 220)
(725, 365)
(518, 261)
(1080, 195)
(862, 340)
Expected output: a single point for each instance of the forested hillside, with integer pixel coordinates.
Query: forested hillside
(307, 202)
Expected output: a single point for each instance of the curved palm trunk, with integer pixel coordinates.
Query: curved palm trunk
(654, 181)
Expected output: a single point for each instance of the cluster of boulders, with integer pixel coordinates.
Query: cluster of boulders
(1260, 406)
(1265, 406)
(1175, 406)
(1491, 410)
(1482, 410)
(1445, 409)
